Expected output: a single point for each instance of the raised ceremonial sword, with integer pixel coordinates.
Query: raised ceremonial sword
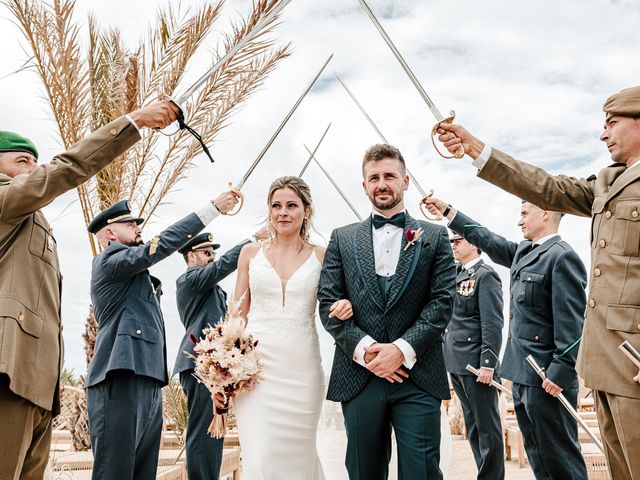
(311, 154)
(565, 403)
(416, 83)
(494, 384)
(238, 186)
(179, 101)
(421, 190)
(335, 185)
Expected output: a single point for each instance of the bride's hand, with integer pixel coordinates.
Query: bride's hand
(219, 401)
(341, 309)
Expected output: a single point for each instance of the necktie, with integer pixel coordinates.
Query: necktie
(397, 220)
(531, 248)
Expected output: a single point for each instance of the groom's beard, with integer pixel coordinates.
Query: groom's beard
(392, 202)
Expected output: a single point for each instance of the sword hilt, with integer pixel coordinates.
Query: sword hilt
(434, 131)
(425, 211)
(237, 191)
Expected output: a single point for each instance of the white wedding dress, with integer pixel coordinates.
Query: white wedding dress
(278, 421)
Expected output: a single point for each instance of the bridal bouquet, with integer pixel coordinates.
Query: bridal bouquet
(227, 362)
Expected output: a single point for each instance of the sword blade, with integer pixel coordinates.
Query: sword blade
(630, 352)
(403, 63)
(335, 185)
(282, 124)
(306, 164)
(494, 384)
(375, 127)
(231, 53)
(565, 403)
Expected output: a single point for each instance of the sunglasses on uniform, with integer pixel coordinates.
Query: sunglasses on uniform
(208, 253)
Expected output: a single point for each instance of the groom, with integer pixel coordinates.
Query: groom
(388, 368)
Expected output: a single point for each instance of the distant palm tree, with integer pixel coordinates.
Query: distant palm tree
(87, 88)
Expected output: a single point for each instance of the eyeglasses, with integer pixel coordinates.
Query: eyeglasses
(208, 253)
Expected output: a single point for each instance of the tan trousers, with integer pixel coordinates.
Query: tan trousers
(619, 421)
(26, 436)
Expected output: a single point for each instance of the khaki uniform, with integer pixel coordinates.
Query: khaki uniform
(612, 199)
(31, 352)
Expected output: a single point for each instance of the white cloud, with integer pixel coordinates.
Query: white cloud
(527, 77)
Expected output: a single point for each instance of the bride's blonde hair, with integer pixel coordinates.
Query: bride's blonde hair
(304, 193)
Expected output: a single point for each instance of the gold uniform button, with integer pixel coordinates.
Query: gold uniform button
(602, 243)
(536, 338)
(113, 132)
(468, 339)
(528, 279)
(607, 214)
(446, 330)
(597, 272)
(138, 332)
(20, 317)
(486, 360)
(635, 214)
(592, 303)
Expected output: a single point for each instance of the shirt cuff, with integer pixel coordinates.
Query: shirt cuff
(133, 123)
(207, 213)
(358, 353)
(483, 158)
(408, 352)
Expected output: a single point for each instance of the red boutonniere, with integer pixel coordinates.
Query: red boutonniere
(412, 237)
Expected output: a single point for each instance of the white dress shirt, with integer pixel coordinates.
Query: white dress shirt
(387, 242)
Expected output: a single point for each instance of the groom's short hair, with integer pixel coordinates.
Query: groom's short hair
(380, 152)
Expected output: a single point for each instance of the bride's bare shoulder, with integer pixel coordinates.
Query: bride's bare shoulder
(319, 252)
(250, 250)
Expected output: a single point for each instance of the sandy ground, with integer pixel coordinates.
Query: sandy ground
(332, 445)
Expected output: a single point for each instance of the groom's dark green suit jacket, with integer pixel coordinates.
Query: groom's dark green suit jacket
(418, 307)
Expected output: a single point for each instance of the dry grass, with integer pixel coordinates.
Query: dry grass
(88, 89)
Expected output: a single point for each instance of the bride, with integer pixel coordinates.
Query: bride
(277, 422)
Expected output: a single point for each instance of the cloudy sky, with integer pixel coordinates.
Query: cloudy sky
(527, 77)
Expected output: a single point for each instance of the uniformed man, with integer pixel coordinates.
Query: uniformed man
(548, 282)
(201, 302)
(129, 366)
(613, 312)
(30, 281)
(474, 337)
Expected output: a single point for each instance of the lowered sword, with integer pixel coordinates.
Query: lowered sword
(238, 187)
(416, 83)
(335, 185)
(565, 403)
(422, 192)
(260, 25)
(630, 351)
(494, 384)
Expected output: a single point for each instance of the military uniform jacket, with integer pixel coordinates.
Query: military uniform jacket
(201, 302)
(547, 300)
(474, 335)
(418, 307)
(612, 199)
(31, 350)
(126, 302)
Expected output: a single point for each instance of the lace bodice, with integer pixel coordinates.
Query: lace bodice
(285, 308)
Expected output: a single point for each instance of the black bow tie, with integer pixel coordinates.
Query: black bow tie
(397, 220)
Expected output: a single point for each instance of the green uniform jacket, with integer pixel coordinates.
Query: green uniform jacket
(31, 350)
(612, 200)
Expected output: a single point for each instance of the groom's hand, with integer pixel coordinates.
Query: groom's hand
(387, 362)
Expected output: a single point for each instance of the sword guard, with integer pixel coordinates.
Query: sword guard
(425, 211)
(434, 131)
(239, 194)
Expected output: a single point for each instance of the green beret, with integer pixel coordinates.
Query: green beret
(625, 103)
(12, 142)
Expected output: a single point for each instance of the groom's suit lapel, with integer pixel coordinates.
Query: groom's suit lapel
(406, 264)
(365, 261)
